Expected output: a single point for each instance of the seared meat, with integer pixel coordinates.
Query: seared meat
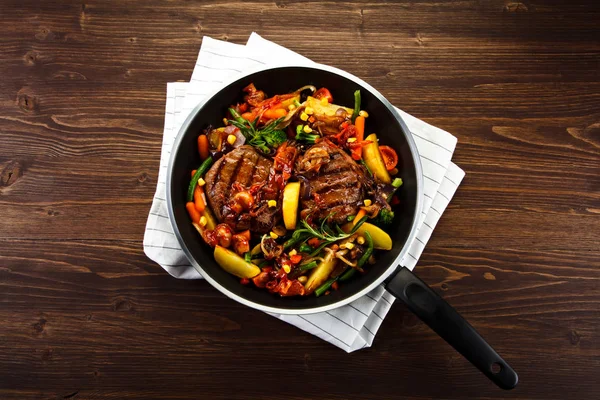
(242, 169)
(333, 183)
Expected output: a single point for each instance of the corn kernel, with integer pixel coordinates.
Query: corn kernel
(303, 116)
(225, 122)
(309, 110)
(302, 279)
(368, 202)
(286, 268)
(292, 107)
(324, 101)
(231, 139)
(273, 235)
(363, 113)
(201, 182)
(349, 246)
(203, 221)
(272, 203)
(307, 129)
(351, 140)
(360, 240)
(293, 253)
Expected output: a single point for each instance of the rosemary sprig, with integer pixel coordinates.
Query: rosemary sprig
(324, 232)
(265, 139)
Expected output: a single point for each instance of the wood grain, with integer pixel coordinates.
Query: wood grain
(85, 315)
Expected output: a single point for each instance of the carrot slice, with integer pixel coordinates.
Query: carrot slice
(314, 242)
(203, 147)
(361, 213)
(194, 214)
(275, 113)
(198, 199)
(359, 124)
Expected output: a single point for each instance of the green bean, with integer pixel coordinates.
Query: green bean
(320, 248)
(324, 287)
(307, 266)
(348, 274)
(366, 166)
(356, 105)
(237, 116)
(304, 248)
(296, 237)
(203, 168)
(358, 224)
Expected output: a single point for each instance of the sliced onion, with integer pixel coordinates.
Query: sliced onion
(240, 139)
(289, 117)
(303, 88)
(340, 257)
(270, 248)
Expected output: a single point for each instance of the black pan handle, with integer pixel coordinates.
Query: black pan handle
(453, 328)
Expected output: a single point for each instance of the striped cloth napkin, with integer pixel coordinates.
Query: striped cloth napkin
(351, 327)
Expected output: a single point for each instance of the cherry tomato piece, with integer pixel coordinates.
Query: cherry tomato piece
(390, 158)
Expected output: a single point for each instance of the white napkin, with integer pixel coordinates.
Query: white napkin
(350, 327)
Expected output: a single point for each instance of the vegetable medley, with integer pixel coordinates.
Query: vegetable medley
(291, 194)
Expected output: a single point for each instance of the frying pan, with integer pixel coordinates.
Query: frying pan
(399, 281)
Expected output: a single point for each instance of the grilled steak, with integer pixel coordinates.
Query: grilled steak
(333, 183)
(242, 170)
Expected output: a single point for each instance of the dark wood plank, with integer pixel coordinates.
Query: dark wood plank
(85, 315)
(124, 324)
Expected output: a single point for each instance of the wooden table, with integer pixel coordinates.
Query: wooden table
(85, 315)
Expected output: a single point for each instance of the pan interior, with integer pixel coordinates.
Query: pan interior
(284, 80)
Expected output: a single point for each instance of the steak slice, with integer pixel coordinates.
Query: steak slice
(241, 168)
(335, 183)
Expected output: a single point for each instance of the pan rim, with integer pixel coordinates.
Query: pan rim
(309, 310)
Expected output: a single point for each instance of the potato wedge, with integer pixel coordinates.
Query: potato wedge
(235, 264)
(329, 110)
(320, 274)
(289, 101)
(291, 193)
(374, 161)
(256, 250)
(211, 223)
(381, 240)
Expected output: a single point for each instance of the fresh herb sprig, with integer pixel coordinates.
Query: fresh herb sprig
(324, 232)
(265, 139)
